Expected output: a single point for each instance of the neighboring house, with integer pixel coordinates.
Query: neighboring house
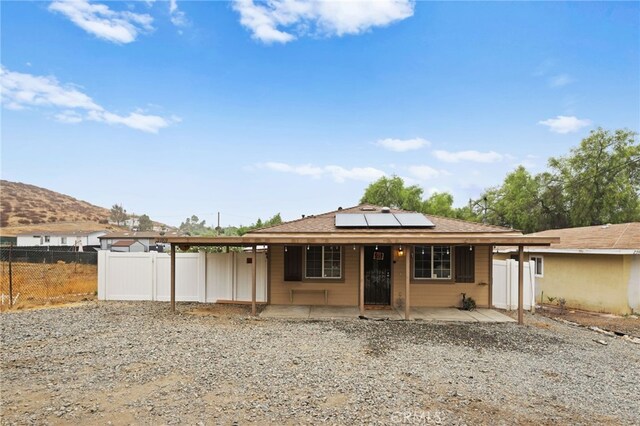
(128, 246)
(370, 255)
(146, 238)
(595, 268)
(69, 238)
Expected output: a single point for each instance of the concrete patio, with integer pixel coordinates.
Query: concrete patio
(350, 312)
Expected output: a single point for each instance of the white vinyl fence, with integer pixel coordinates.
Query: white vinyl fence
(505, 284)
(200, 277)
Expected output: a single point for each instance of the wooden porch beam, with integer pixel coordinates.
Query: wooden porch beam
(361, 299)
(520, 284)
(173, 277)
(490, 299)
(254, 262)
(407, 285)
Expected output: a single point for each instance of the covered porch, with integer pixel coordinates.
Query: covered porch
(357, 244)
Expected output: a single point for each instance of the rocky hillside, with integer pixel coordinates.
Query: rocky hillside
(23, 205)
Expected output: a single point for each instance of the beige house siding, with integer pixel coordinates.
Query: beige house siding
(343, 293)
(592, 282)
(346, 293)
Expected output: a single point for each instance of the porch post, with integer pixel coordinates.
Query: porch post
(407, 285)
(361, 280)
(253, 281)
(173, 277)
(490, 299)
(520, 284)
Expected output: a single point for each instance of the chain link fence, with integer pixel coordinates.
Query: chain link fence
(40, 275)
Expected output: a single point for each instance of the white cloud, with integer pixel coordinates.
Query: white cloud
(475, 156)
(99, 20)
(68, 116)
(402, 145)
(366, 174)
(424, 172)
(144, 122)
(560, 80)
(20, 91)
(563, 124)
(178, 17)
(282, 21)
(337, 173)
(304, 170)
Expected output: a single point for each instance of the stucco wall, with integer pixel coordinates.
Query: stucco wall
(347, 292)
(591, 282)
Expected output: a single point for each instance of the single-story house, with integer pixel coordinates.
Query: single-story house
(128, 246)
(67, 238)
(148, 239)
(595, 268)
(374, 256)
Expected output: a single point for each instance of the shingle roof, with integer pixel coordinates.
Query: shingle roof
(124, 243)
(620, 236)
(139, 234)
(325, 223)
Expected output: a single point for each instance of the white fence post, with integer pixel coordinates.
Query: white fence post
(202, 276)
(102, 275)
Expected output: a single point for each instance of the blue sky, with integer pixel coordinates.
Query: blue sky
(247, 108)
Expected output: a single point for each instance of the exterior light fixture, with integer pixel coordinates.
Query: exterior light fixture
(400, 251)
(285, 249)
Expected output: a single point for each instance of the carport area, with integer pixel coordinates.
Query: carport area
(351, 312)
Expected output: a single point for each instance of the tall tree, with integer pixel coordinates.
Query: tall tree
(515, 202)
(118, 214)
(391, 192)
(145, 223)
(440, 204)
(601, 178)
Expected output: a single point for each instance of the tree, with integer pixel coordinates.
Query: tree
(515, 202)
(274, 220)
(145, 223)
(118, 214)
(391, 192)
(600, 179)
(194, 226)
(440, 204)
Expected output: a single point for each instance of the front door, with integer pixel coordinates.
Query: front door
(377, 275)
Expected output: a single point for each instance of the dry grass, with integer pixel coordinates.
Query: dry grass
(36, 283)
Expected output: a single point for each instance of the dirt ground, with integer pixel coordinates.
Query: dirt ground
(139, 363)
(618, 324)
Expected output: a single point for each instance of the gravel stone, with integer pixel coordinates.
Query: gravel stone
(137, 363)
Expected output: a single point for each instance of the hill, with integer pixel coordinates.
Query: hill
(23, 205)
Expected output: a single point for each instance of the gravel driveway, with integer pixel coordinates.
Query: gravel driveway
(137, 363)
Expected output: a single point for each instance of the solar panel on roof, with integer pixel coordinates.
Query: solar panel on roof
(381, 220)
(415, 220)
(350, 220)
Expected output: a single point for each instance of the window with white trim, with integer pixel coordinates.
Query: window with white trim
(323, 262)
(538, 263)
(63, 240)
(432, 262)
(47, 239)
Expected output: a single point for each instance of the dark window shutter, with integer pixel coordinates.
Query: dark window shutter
(465, 265)
(293, 263)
